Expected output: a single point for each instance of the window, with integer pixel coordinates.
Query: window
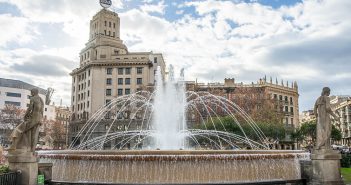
(120, 81)
(108, 92)
(109, 24)
(105, 32)
(139, 81)
(286, 98)
(114, 25)
(292, 121)
(88, 83)
(18, 104)
(89, 72)
(107, 102)
(88, 104)
(13, 94)
(120, 92)
(88, 54)
(113, 34)
(291, 101)
(292, 110)
(88, 93)
(128, 71)
(127, 91)
(127, 81)
(280, 97)
(286, 109)
(116, 51)
(139, 70)
(108, 81)
(28, 96)
(73, 98)
(155, 59)
(109, 33)
(105, 23)
(120, 71)
(275, 96)
(109, 71)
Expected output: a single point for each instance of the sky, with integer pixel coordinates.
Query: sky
(308, 41)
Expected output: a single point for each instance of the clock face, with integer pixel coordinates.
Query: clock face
(105, 3)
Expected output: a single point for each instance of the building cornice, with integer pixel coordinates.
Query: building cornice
(107, 64)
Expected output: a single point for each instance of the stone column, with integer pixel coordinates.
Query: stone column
(326, 167)
(27, 163)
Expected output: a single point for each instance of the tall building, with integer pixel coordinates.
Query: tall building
(108, 70)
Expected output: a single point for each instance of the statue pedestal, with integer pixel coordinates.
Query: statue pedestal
(326, 167)
(27, 163)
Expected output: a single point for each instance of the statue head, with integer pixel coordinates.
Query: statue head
(326, 91)
(34, 92)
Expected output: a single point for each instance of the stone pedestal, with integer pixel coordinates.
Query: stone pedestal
(326, 167)
(27, 163)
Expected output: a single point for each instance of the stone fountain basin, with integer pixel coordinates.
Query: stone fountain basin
(181, 166)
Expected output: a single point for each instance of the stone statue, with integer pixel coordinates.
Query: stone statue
(25, 136)
(323, 112)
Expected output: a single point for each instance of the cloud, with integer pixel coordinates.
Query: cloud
(307, 41)
(154, 8)
(45, 65)
(15, 29)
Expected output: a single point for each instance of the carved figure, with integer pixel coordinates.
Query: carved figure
(25, 136)
(323, 112)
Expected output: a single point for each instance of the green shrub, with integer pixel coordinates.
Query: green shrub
(4, 169)
(346, 161)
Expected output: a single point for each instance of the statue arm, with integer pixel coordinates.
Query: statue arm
(315, 110)
(29, 109)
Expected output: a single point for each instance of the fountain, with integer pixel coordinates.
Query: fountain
(156, 138)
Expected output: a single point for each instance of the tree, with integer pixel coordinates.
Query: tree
(272, 131)
(10, 117)
(307, 133)
(53, 134)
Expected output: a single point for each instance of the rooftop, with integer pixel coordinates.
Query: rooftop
(19, 85)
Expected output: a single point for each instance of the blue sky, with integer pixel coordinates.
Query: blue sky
(305, 41)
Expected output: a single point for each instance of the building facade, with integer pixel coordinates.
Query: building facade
(63, 116)
(282, 98)
(256, 98)
(17, 93)
(342, 106)
(108, 70)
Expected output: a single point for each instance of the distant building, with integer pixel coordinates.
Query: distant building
(108, 70)
(307, 116)
(255, 96)
(342, 106)
(281, 98)
(63, 117)
(17, 93)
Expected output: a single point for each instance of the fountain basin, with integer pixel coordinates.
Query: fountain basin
(183, 166)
